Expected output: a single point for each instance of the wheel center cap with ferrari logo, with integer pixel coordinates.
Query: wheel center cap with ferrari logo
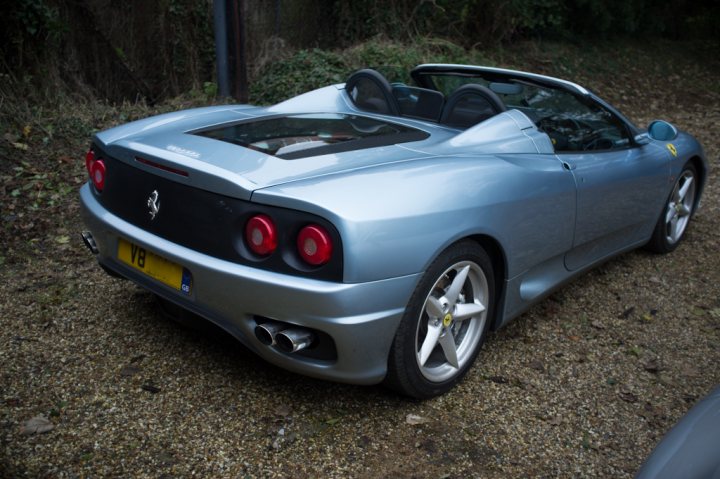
(447, 320)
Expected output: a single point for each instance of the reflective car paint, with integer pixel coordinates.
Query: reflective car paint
(691, 449)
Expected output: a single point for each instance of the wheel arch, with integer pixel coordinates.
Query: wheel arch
(499, 262)
(702, 172)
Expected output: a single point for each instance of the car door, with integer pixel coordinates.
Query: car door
(620, 184)
(619, 198)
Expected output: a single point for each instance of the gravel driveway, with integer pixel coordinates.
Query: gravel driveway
(584, 384)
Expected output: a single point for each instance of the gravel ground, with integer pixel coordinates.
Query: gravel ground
(584, 384)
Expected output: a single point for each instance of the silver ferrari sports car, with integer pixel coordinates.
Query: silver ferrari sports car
(373, 232)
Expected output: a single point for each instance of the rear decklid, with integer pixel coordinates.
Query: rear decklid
(190, 178)
(232, 152)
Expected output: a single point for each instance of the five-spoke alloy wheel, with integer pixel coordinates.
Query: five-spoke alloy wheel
(445, 323)
(675, 217)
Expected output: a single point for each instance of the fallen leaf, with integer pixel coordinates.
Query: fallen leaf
(555, 421)
(63, 239)
(37, 425)
(597, 325)
(150, 388)
(666, 380)
(332, 421)
(651, 366)
(166, 458)
(499, 379)
(537, 365)
(647, 317)
(20, 146)
(688, 397)
(137, 358)
(627, 395)
(635, 351)
(282, 410)
(27, 129)
(414, 419)
(697, 311)
(129, 370)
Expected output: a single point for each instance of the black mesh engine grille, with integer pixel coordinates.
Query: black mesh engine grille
(210, 223)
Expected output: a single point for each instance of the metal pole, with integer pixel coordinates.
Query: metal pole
(221, 48)
(241, 84)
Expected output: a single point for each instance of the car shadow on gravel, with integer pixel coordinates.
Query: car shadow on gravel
(193, 327)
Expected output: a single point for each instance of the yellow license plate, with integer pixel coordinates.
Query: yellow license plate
(155, 266)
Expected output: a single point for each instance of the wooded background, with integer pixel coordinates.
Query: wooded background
(151, 50)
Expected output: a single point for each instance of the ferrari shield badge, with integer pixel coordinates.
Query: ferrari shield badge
(671, 148)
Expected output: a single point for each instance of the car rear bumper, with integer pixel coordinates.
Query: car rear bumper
(361, 318)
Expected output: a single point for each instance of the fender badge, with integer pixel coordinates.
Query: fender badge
(672, 149)
(153, 203)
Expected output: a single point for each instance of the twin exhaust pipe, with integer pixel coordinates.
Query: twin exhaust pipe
(287, 338)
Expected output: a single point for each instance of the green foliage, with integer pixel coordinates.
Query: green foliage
(304, 71)
(385, 52)
(191, 51)
(470, 22)
(488, 22)
(161, 49)
(310, 69)
(34, 18)
(210, 89)
(26, 28)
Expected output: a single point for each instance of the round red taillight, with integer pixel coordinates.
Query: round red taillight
(97, 174)
(261, 235)
(89, 160)
(314, 245)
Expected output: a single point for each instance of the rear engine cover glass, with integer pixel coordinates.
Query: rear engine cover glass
(302, 136)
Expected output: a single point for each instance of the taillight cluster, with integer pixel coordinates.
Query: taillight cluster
(96, 170)
(261, 235)
(314, 244)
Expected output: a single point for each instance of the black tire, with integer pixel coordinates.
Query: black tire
(178, 314)
(675, 217)
(459, 317)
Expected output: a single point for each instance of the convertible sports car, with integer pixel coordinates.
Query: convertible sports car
(369, 231)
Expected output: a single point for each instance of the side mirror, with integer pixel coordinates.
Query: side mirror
(662, 131)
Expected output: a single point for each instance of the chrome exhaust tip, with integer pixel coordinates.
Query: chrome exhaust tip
(294, 339)
(89, 242)
(266, 332)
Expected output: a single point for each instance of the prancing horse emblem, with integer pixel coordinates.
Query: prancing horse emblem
(154, 204)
